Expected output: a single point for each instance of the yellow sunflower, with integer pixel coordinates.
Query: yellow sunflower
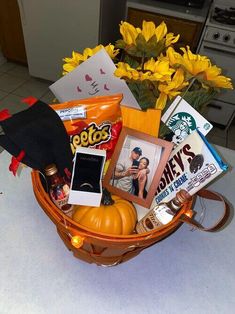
(125, 71)
(171, 89)
(148, 30)
(194, 63)
(72, 63)
(129, 33)
(77, 58)
(154, 71)
(160, 69)
(213, 78)
(171, 39)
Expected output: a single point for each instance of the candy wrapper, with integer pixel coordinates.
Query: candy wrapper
(92, 122)
(192, 165)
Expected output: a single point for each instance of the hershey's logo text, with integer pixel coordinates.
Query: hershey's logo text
(170, 173)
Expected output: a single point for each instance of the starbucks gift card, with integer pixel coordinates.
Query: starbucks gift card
(182, 119)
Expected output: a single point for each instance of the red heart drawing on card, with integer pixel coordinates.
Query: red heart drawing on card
(88, 78)
(106, 87)
(79, 89)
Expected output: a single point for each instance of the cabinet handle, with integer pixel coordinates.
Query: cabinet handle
(214, 106)
(224, 50)
(22, 12)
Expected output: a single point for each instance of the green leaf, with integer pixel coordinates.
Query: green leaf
(134, 89)
(200, 99)
(154, 47)
(141, 43)
(143, 94)
(164, 130)
(133, 62)
(132, 50)
(120, 44)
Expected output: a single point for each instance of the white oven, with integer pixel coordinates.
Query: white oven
(218, 43)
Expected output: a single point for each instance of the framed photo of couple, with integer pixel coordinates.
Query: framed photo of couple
(136, 166)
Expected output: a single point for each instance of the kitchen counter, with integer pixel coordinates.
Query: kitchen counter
(188, 272)
(168, 9)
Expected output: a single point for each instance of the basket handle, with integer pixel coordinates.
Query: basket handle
(208, 194)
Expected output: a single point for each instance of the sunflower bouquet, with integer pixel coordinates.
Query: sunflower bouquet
(156, 72)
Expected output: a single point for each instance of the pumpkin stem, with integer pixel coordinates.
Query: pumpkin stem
(106, 198)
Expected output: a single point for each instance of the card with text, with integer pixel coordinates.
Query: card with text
(93, 77)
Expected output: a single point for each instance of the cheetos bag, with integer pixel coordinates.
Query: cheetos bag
(93, 122)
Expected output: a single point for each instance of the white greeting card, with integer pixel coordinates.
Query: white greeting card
(92, 78)
(183, 119)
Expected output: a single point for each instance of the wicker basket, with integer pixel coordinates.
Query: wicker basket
(109, 250)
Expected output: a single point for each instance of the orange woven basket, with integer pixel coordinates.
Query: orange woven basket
(102, 249)
(106, 249)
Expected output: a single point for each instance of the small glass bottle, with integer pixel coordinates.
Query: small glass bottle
(58, 189)
(163, 213)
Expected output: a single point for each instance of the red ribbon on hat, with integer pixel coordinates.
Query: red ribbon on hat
(4, 114)
(15, 162)
(67, 172)
(29, 100)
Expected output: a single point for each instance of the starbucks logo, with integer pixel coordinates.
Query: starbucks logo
(182, 124)
(207, 126)
(182, 120)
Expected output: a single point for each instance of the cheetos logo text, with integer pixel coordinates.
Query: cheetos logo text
(91, 136)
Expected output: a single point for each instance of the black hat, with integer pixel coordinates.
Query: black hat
(137, 150)
(39, 136)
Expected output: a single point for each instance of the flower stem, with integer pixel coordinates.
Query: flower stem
(142, 62)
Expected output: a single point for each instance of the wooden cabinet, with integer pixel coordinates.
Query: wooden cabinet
(189, 31)
(11, 34)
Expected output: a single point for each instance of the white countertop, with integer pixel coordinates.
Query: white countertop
(165, 8)
(188, 272)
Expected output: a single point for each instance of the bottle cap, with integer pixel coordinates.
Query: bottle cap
(50, 170)
(183, 196)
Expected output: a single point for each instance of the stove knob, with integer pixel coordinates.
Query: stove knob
(226, 37)
(216, 35)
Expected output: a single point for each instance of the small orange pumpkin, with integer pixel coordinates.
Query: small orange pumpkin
(114, 216)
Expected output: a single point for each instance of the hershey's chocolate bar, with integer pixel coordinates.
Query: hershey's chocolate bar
(192, 165)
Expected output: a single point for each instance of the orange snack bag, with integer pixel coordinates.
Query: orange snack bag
(92, 122)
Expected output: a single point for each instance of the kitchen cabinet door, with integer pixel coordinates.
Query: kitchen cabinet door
(11, 34)
(189, 31)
